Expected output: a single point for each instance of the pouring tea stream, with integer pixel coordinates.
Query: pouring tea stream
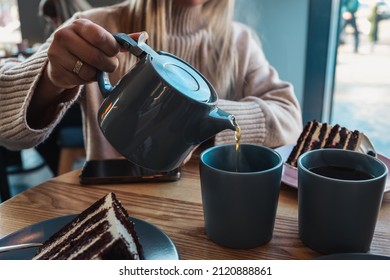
(160, 110)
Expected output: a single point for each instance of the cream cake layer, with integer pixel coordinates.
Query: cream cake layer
(103, 231)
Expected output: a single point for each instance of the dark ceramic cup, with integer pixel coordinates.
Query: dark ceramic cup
(240, 207)
(339, 197)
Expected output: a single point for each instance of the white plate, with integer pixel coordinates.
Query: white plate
(290, 174)
(155, 243)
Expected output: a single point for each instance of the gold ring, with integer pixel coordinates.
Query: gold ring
(77, 67)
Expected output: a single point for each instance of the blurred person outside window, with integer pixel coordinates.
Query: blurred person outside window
(379, 11)
(348, 17)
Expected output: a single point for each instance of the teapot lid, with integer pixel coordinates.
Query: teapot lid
(174, 71)
(183, 77)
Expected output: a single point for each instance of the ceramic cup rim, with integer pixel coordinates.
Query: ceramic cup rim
(335, 150)
(217, 147)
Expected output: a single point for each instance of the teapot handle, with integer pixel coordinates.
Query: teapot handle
(136, 48)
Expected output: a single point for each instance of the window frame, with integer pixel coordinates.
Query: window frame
(321, 55)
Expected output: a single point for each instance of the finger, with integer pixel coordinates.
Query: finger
(63, 78)
(84, 71)
(66, 70)
(97, 36)
(95, 45)
(136, 36)
(73, 65)
(76, 40)
(143, 35)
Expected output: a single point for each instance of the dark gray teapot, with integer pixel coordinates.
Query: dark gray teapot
(160, 110)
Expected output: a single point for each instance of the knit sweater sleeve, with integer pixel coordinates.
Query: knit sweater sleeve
(18, 80)
(265, 107)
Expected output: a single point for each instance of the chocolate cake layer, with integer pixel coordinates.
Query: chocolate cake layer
(103, 231)
(316, 135)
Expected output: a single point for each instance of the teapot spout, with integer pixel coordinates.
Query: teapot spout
(217, 121)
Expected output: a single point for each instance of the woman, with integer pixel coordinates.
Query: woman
(36, 93)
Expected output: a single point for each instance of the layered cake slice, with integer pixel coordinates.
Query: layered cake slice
(316, 135)
(103, 231)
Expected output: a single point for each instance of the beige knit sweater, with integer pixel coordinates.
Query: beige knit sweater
(265, 107)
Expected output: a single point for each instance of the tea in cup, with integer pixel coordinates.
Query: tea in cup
(339, 198)
(240, 203)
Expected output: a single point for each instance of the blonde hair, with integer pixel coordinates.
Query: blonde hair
(154, 15)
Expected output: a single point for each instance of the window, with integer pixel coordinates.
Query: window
(361, 98)
(10, 35)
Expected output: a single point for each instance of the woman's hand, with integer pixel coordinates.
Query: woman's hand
(77, 51)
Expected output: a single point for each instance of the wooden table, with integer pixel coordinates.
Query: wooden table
(175, 208)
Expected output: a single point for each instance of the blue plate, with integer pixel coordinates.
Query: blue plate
(156, 244)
